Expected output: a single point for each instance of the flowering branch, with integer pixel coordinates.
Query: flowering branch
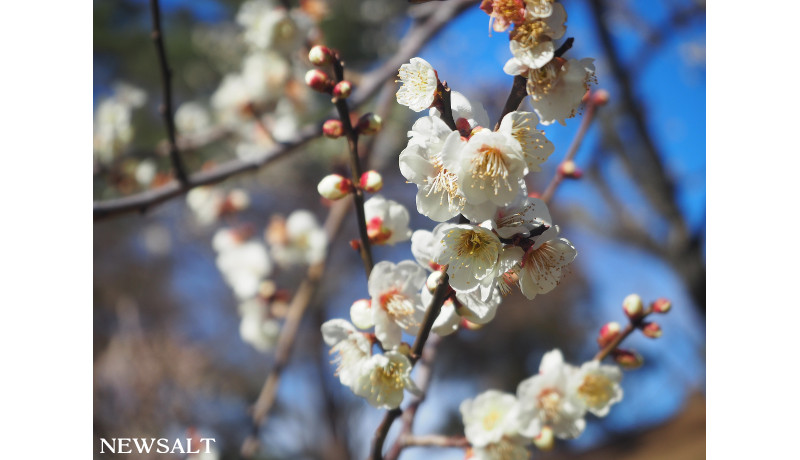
(593, 100)
(435, 440)
(369, 84)
(166, 105)
(355, 167)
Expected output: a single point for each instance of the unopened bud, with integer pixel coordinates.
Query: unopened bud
(652, 330)
(608, 333)
(371, 181)
(334, 186)
(318, 81)
(320, 55)
(569, 170)
(463, 127)
(369, 123)
(342, 90)
(333, 129)
(361, 314)
(433, 280)
(628, 359)
(661, 305)
(355, 244)
(600, 97)
(633, 307)
(544, 440)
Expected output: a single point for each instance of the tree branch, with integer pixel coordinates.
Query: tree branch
(166, 88)
(414, 40)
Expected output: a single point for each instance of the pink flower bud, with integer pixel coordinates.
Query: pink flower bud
(544, 440)
(633, 307)
(334, 186)
(569, 170)
(342, 90)
(333, 129)
(628, 359)
(320, 55)
(369, 123)
(600, 97)
(652, 330)
(661, 305)
(371, 181)
(319, 81)
(608, 333)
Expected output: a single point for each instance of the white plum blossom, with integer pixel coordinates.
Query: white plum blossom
(539, 8)
(541, 267)
(490, 417)
(231, 100)
(448, 320)
(113, 128)
(383, 379)
(353, 348)
(424, 245)
(556, 89)
(438, 194)
(471, 254)
(536, 148)
(531, 43)
(489, 167)
(520, 217)
(597, 386)
(269, 26)
(301, 241)
(192, 118)
(419, 84)
(243, 264)
(396, 305)
(208, 203)
(387, 221)
(545, 400)
(264, 75)
(256, 328)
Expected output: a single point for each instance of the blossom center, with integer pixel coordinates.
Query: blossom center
(549, 401)
(489, 165)
(491, 419)
(399, 307)
(596, 390)
(377, 232)
(389, 376)
(542, 81)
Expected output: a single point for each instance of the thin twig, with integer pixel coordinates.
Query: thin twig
(586, 122)
(435, 440)
(364, 248)
(369, 84)
(615, 343)
(515, 97)
(166, 88)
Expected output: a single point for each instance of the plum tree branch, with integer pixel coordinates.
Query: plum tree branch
(415, 39)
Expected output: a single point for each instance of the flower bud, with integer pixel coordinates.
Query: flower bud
(342, 90)
(371, 181)
(320, 55)
(355, 244)
(369, 123)
(334, 186)
(600, 97)
(544, 440)
(628, 359)
(318, 81)
(608, 333)
(569, 170)
(652, 330)
(433, 280)
(333, 129)
(661, 305)
(633, 307)
(361, 314)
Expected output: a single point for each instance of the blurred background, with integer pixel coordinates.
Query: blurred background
(169, 358)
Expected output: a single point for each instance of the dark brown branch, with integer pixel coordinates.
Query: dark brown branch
(447, 106)
(435, 440)
(564, 47)
(342, 108)
(515, 97)
(411, 43)
(439, 296)
(166, 88)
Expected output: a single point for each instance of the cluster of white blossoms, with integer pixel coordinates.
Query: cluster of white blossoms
(113, 130)
(556, 85)
(480, 174)
(552, 403)
(246, 262)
